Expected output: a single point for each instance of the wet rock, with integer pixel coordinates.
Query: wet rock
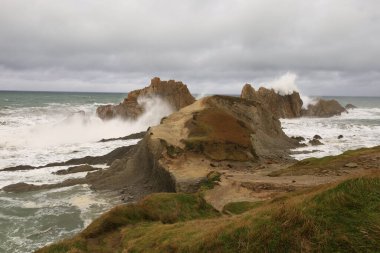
(134, 136)
(340, 136)
(24, 187)
(108, 159)
(298, 138)
(19, 167)
(350, 106)
(76, 169)
(324, 108)
(315, 142)
(297, 152)
(92, 160)
(317, 137)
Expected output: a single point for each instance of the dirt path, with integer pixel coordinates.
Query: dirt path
(255, 184)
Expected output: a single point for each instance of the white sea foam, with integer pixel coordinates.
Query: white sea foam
(284, 85)
(38, 218)
(37, 136)
(55, 133)
(360, 128)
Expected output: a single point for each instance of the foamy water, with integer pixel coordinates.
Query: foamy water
(41, 128)
(360, 128)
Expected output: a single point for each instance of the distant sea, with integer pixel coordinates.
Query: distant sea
(37, 128)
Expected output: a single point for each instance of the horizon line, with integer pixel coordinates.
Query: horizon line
(125, 92)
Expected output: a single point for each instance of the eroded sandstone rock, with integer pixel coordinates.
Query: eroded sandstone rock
(290, 106)
(282, 106)
(324, 108)
(174, 92)
(178, 154)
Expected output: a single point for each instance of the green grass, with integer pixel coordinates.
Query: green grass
(311, 166)
(353, 210)
(344, 217)
(162, 208)
(212, 179)
(240, 207)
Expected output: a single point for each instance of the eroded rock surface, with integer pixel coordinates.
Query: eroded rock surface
(290, 106)
(282, 106)
(178, 154)
(174, 92)
(324, 108)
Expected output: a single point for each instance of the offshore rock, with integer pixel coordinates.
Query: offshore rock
(290, 106)
(173, 92)
(324, 109)
(350, 107)
(281, 106)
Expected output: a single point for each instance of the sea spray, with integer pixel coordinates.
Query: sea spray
(286, 85)
(38, 139)
(40, 133)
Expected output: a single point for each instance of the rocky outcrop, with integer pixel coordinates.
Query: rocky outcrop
(290, 106)
(178, 154)
(24, 187)
(315, 142)
(118, 153)
(173, 92)
(282, 106)
(76, 169)
(324, 108)
(134, 136)
(350, 106)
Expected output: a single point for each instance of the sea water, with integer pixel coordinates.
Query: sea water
(360, 127)
(37, 128)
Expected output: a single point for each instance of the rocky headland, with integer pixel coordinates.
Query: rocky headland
(223, 163)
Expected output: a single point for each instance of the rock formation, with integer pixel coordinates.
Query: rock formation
(76, 169)
(178, 154)
(175, 93)
(282, 106)
(350, 106)
(324, 108)
(290, 106)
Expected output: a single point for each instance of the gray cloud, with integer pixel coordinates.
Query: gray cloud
(213, 46)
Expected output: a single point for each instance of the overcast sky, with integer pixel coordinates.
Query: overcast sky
(214, 46)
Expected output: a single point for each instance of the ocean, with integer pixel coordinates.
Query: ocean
(360, 128)
(37, 128)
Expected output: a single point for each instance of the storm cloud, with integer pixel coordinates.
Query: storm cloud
(214, 46)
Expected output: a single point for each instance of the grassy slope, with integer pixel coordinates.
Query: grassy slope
(343, 217)
(313, 166)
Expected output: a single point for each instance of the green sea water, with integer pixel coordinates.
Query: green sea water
(39, 99)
